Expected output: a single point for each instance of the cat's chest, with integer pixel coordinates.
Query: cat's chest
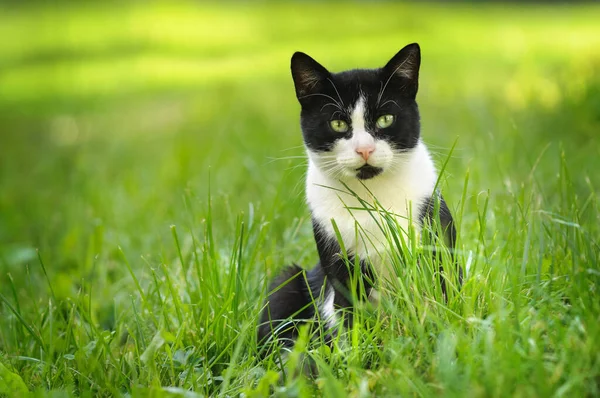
(364, 223)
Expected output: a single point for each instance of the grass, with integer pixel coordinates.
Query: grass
(151, 182)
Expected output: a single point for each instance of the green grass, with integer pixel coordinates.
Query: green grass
(151, 183)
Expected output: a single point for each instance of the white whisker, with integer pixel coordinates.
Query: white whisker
(390, 78)
(292, 148)
(338, 105)
(393, 102)
(329, 104)
(337, 92)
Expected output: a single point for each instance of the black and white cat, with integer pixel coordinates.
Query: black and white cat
(362, 134)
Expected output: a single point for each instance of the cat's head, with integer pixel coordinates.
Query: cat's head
(358, 123)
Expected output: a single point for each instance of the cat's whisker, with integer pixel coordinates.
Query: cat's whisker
(397, 164)
(302, 165)
(338, 105)
(293, 147)
(391, 101)
(390, 78)
(327, 156)
(335, 113)
(287, 158)
(334, 171)
(444, 148)
(330, 104)
(328, 162)
(444, 154)
(336, 91)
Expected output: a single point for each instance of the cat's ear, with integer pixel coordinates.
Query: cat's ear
(405, 65)
(308, 74)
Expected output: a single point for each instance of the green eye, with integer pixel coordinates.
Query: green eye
(339, 126)
(385, 121)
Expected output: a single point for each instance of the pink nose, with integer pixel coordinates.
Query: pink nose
(365, 152)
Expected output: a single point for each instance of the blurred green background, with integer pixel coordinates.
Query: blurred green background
(111, 114)
(118, 119)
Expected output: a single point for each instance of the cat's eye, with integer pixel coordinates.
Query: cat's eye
(339, 126)
(385, 121)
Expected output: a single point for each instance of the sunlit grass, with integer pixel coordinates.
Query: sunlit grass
(152, 154)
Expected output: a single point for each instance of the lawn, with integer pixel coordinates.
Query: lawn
(151, 183)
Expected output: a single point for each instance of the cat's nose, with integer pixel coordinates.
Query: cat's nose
(365, 152)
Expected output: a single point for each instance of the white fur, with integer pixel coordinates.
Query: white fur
(407, 181)
(327, 310)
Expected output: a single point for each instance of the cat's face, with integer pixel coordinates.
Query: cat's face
(358, 123)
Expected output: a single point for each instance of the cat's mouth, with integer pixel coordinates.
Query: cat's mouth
(367, 171)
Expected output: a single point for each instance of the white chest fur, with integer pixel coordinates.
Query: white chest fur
(400, 192)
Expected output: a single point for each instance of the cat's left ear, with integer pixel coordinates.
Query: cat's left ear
(405, 65)
(308, 74)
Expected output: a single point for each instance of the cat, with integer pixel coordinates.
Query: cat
(361, 130)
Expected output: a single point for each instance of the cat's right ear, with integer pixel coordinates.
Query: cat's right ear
(308, 75)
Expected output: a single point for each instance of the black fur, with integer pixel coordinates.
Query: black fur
(436, 219)
(290, 304)
(367, 171)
